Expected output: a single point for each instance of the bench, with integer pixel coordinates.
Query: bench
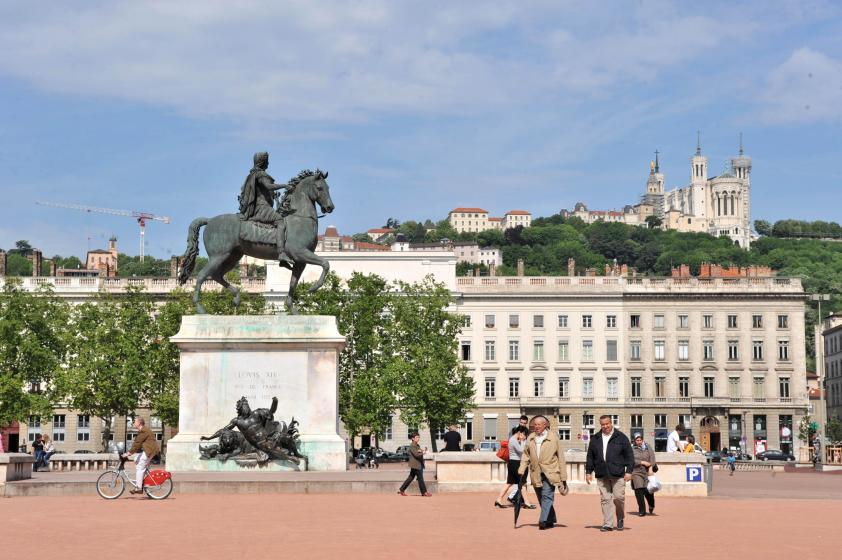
(81, 461)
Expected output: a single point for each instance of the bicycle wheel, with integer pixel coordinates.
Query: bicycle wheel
(160, 491)
(110, 485)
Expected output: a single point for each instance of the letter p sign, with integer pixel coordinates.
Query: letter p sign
(694, 473)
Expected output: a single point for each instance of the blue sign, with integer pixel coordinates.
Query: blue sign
(694, 473)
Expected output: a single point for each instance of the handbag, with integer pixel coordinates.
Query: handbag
(504, 450)
(653, 485)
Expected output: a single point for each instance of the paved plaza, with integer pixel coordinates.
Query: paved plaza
(752, 515)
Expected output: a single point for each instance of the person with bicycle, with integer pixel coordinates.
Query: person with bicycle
(145, 444)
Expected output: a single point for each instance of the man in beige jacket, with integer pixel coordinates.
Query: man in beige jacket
(544, 458)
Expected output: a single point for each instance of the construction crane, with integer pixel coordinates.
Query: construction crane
(141, 217)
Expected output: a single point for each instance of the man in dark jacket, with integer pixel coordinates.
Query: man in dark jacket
(416, 467)
(610, 456)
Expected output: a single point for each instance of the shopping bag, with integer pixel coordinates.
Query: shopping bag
(653, 485)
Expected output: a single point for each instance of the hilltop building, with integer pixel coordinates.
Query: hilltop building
(477, 219)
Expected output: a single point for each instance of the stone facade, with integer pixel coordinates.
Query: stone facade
(832, 357)
(477, 219)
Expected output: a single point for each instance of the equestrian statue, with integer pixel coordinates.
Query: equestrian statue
(287, 232)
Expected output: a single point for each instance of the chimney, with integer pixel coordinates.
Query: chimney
(3, 259)
(571, 267)
(36, 259)
(52, 267)
(174, 266)
(520, 267)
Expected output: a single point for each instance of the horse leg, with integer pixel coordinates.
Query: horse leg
(228, 263)
(293, 283)
(313, 258)
(203, 275)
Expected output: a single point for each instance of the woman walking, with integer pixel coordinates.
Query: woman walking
(644, 459)
(516, 443)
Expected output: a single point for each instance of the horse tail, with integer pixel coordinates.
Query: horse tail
(189, 258)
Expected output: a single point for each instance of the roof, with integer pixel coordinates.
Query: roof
(495, 219)
(100, 252)
(518, 212)
(331, 232)
(347, 238)
(477, 210)
(365, 246)
(465, 244)
(380, 230)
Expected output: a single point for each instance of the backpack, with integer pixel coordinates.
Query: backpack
(504, 450)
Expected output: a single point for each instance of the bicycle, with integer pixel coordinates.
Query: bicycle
(112, 483)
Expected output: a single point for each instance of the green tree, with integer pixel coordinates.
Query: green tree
(434, 388)
(762, 227)
(18, 265)
(654, 222)
(112, 356)
(833, 430)
(33, 346)
(806, 429)
(22, 248)
(392, 223)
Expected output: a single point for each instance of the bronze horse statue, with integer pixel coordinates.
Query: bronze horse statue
(228, 237)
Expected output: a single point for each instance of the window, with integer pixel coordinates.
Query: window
(684, 387)
(634, 350)
(709, 388)
(733, 350)
(758, 390)
(732, 321)
(564, 419)
(685, 420)
(783, 350)
(587, 421)
(514, 351)
(587, 321)
(635, 387)
(757, 350)
(637, 421)
(615, 419)
(490, 351)
(466, 351)
(538, 321)
(587, 387)
(83, 427)
(562, 321)
(466, 321)
(563, 351)
(489, 321)
(611, 321)
(469, 429)
(660, 420)
(659, 321)
(611, 389)
(538, 387)
(683, 349)
(389, 433)
(490, 392)
(564, 434)
(563, 388)
(490, 429)
(634, 321)
(587, 350)
(660, 349)
(660, 387)
(538, 351)
(783, 321)
(611, 350)
(683, 321)
(34, 423)
(734, 388)
(757, 321)
(514, 321)
(514, 387)
(707, 321)
(783, 387)
(59, 421)
(707, 350)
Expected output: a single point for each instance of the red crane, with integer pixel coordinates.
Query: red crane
(141, 217)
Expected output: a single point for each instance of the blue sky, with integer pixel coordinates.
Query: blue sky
(413, 107)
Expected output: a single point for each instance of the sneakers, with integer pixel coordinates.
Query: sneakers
(620, 524)
(426, 495)
(606, 528)
(401, 492)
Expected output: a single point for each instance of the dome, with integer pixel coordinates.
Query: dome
(580, 207)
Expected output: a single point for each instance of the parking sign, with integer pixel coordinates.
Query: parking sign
(694, 473)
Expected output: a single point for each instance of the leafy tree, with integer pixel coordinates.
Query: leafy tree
(18, 265)
(833, 430)
(435, 389)
(762, 227)
(654, 222)
(806, 429)
(33, 345)
(361, 237)
(22, 248)
(392, 223)
(67, 262)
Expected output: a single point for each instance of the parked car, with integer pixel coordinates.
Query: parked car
(489, 446)
(401, 454)
(714, 456)
(775, 455)
(744, 457)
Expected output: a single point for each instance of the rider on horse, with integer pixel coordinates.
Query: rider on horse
(256, 198)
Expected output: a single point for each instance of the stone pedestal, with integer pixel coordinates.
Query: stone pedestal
(223, 358)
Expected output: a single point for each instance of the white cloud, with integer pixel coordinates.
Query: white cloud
(807, 87)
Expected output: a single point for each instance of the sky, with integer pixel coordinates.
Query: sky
(414, 108)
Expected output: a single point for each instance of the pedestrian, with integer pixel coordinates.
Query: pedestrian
(674, 438)
(731, 460)
(37, 451)
(452, 439)
(523, 421)
(146, 447)
(611, 458)
(544, 458)
(690, 446)
(49, 450)
(416, 467)
(644, 460)
(517, 441)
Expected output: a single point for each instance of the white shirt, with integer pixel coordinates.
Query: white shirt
(605, 438)
(672, 442)
(539, 440)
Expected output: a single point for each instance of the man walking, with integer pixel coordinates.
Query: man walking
(544, 459)
(610, 456)
(416, 467)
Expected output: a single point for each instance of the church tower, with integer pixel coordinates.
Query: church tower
(655, 188)
(698, 181)
(741, 166)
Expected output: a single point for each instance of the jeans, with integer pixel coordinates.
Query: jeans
(640, 494)
(415, 473)
(546, 495)
(39, 457)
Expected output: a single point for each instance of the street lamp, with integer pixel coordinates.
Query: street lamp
(819, 356)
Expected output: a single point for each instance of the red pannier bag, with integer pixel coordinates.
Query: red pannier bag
(156, 478)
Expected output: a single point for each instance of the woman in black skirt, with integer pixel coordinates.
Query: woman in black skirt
(516, 443)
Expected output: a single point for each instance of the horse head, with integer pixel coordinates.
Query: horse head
(321, 191)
